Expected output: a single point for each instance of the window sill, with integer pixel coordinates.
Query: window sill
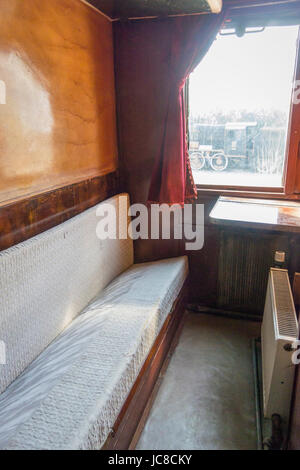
(261, 193)
(274, 215)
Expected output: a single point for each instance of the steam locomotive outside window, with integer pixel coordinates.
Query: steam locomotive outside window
(239, 101)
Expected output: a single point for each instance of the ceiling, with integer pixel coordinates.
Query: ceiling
(117, 9)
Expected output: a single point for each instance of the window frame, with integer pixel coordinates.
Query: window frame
(291, 187)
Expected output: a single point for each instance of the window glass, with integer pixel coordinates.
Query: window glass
(239, 102)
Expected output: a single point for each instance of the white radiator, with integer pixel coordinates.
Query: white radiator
(279, 331)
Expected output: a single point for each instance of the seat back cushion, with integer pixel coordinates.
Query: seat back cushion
(48, 280)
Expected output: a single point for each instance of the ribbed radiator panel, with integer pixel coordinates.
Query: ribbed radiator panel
(244, 263)
(279, 329)
(286, 319)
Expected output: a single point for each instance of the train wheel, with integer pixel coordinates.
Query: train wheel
(197, 160)
(219, 162)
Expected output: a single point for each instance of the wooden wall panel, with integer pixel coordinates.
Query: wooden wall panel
(58, 124)
(26, 218)
(143, 8)
(294, 437)
(297, 184)
(141, 101)
(296, 290)
(204, 263)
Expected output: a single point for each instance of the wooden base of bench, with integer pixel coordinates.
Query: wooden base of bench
(132, 418)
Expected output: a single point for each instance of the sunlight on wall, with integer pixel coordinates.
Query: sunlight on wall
(28, 114)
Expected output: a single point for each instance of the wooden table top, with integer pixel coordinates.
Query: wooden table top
(257, 213)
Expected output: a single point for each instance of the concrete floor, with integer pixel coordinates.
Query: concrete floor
(206, 399)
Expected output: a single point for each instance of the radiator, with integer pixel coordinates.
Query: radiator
(279, 332)
(244, 264)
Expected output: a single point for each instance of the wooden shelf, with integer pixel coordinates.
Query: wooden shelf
(283, 216)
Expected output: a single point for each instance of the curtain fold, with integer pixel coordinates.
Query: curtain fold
(191, 37)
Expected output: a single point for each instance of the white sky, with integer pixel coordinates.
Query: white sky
(254, 72)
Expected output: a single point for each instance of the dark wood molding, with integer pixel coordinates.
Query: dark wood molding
(117, 10)
(127, 424)
(28, 217)
(296, 289)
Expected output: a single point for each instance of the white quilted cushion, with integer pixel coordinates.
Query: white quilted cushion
(46, 281)
(71, 395)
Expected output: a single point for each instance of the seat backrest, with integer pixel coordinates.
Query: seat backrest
(46, 281)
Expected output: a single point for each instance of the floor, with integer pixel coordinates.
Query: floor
(206, 399)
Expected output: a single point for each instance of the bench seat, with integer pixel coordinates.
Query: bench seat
(70, 396)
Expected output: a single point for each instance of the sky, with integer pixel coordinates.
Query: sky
(254, 72)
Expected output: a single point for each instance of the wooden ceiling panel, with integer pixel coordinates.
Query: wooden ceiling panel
(116, 9)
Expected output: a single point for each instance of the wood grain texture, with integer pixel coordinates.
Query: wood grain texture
(116, 9)
(296, 290)
(140, 118)
(294, 431)
(26, 218)
(58, 123)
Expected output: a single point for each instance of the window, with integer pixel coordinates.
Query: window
(239, 108)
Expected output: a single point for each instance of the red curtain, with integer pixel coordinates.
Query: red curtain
(191, 37)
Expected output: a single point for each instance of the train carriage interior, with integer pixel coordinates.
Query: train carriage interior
(149, 226)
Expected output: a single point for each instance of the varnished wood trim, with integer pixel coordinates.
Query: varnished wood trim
(97, 10)
(293, 135)
(217, 191)
(254, 189)
(296, 289)
(26, 218)
(127, 424)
